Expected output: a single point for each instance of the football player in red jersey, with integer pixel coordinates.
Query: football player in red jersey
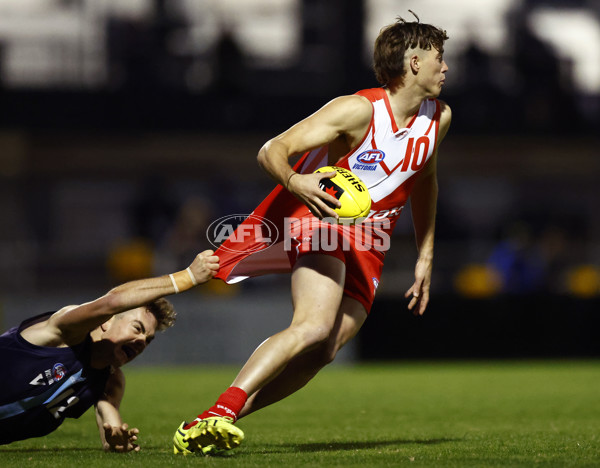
(403, 123)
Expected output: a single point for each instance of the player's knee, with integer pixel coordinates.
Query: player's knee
(311, 335)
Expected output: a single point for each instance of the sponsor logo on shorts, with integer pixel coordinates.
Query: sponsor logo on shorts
(243, 233)
(382, 214)
(375, 282)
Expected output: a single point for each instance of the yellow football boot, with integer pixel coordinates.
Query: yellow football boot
(208, 436)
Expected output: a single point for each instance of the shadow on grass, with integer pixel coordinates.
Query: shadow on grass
(51, 450)
(363, 444)
(284, 448)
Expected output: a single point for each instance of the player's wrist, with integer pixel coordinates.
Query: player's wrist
(425, 259)
(287, 184)
(183, 280)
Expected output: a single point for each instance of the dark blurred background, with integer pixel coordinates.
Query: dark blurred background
(127, 127)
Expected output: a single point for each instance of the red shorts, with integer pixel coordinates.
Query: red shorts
(363, 265)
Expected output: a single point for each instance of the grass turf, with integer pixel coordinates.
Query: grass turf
(457, 414)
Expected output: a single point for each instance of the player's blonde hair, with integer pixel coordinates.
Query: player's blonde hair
(393, 42)
(164, 312)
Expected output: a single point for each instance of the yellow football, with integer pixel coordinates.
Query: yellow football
(349, 190)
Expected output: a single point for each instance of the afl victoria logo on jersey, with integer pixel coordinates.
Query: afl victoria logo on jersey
(368, 160)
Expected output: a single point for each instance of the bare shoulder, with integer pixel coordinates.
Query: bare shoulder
(66, 327)
(356, 101)
(47, 332)
(57, 320)
(352, 106)
(57, 316)
(348, 115)
(344, 116)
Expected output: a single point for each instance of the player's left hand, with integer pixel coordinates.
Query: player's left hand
(419, 291)
(120, 438)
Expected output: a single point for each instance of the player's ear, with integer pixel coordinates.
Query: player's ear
(415, 63)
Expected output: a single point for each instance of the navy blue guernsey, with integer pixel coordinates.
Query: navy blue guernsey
(41, 386)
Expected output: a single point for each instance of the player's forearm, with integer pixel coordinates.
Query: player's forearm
(106, 413)
(139, 292)
(114, 434)
(423, 205)
(273, 159)
(75, 322)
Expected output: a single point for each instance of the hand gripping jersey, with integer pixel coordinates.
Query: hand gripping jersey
(281, 228)
(41, 386)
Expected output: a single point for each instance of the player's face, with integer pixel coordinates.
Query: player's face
(433, 72)
(129, 334)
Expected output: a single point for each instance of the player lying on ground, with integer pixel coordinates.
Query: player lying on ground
(389, 137)
(57, 365)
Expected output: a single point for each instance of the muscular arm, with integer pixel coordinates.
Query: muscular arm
(345, 117)
(71, 324)
(423, 206)
(114, 434)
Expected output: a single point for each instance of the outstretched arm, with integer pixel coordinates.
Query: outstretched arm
(423, 206)
(114, 434)
(71, 324)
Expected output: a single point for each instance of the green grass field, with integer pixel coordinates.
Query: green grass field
(479, 414)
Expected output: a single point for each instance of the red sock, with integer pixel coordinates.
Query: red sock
(229, 404)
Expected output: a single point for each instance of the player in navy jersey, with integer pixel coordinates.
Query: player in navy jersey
(58, 364)
(390, 137)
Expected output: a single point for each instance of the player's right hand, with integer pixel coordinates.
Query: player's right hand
(205, 266)
(306, 188)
